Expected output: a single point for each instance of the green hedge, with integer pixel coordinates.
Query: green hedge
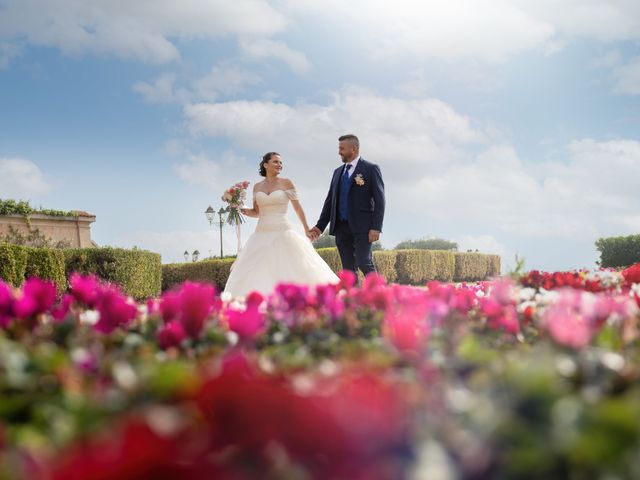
(18, 263)
(46, 263)
(212, 271)
(332, 257)
(385, 262)
(618, 251)
(13, 263)
(417, 267)
(137, 272)
(471, 267)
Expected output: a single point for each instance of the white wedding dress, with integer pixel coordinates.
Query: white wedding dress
(276, 252)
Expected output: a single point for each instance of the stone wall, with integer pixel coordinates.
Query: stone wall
(74, 230)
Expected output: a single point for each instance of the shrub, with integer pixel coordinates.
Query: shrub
(471, 267)
(13, 263)
(46, 263)
(137, 272)
(332, 257)
(214, 271)
(618, 251)
(385, 262)
(416, 267)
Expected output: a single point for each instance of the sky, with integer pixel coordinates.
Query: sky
(507, 126)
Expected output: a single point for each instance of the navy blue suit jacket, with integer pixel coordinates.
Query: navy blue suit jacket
(366, 201)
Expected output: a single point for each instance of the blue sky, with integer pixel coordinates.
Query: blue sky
(507, 126)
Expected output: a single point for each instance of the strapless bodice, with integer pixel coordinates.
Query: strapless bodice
(273, 210)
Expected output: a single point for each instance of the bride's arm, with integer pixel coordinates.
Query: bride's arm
(293, 196)
(252, 212)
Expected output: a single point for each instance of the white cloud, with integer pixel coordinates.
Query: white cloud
(199, 169)
(224, 79)
(265, 49)
(20, 178)
(487, 30)
(161, 90)
(142, 29)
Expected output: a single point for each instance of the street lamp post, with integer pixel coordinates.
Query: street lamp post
(210, 213)
(195, 255)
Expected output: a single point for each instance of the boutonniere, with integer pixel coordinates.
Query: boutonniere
(359, 180)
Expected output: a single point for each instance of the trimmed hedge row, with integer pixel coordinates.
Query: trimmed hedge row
(618, 251)
(18, 263)
(138, 272)
(412, 267)
(212, 271)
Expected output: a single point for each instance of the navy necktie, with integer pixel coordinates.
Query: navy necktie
(343, 207)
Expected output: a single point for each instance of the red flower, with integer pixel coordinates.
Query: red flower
(348, 424)
(131, 452)
(632, 274)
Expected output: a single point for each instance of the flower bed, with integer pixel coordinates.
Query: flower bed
(536, 378)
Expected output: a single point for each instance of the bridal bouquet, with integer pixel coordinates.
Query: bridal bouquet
(235, 196)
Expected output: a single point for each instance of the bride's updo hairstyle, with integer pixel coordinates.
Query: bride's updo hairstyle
(265, 158)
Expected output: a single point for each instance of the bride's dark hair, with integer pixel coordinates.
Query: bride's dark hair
(265, 158)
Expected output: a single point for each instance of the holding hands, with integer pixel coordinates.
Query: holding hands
(313, 233)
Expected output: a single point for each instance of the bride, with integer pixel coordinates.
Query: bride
(275, 252)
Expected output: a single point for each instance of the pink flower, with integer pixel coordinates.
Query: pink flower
(500, 307)
(115, 310)
(170, 306)
(347, 279)
(6, 305)
(328, 301)
(568, 322)
(405, 322)
(38, 296)
(171, 334)
(196, 304)
(84, 288)
(245, 184)
(62, 309)
(288, 302)
(250, 322)
(374, 293)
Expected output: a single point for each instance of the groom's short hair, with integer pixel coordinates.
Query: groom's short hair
(352, 139)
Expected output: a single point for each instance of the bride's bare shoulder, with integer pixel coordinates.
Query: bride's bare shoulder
(287, 183)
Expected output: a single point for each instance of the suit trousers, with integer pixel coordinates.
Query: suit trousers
(354, 249)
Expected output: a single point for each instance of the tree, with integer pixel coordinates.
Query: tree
(325, 241)
(427, 244)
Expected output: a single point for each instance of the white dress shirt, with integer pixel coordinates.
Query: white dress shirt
(353, 164)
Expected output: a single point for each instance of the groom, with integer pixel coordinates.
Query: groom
(354, 206)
